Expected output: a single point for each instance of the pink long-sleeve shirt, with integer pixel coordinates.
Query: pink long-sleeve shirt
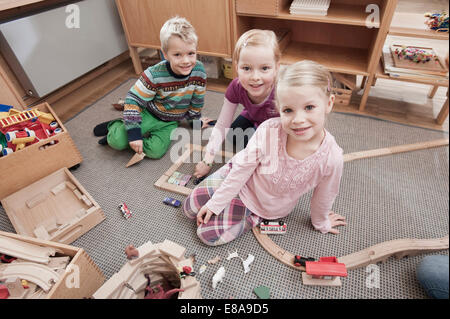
(270, 182)
(256, 113)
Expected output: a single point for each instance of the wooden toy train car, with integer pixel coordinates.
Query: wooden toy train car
(273, 227)
(326, 268)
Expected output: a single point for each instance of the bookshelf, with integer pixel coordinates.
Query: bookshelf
(411, 25)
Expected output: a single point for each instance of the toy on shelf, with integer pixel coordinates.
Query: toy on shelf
(125, 210)
(325, 272)
(273, 227)
(423, 59)
(437, 21)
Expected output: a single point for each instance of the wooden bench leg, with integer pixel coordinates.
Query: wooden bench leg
(443, 113)
(136, 60)
(365, 95)
(433, 91)
(363, 82)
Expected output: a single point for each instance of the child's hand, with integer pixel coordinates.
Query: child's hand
(204, 211)
(137, 146)
(201, 169)
(336, 220)
(205, 122)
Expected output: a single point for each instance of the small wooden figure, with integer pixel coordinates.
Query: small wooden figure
(131, 252)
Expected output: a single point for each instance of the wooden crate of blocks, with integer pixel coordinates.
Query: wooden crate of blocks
(157, 264)
(46, 270)
(56, 208)
(343, 87)
(40, 157)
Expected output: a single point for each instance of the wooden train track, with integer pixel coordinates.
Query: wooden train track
(379, 252)
(371, 255)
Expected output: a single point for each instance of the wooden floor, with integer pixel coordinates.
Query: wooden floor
(395, 101)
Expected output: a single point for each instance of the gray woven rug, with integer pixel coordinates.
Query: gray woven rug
(385, 198)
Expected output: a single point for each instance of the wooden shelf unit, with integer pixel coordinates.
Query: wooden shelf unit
(338, 13)
(411, 25)
(341, 40)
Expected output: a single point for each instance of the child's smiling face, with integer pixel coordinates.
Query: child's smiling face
(303, 112)
(181, 55)
(257, 71)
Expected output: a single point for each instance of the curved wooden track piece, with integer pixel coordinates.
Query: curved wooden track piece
(39, 274)
(379, 252)
(398, 248)
(362, 258)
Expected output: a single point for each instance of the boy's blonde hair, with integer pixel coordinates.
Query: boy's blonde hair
(179, 27)
(257, 37)
(305, 72)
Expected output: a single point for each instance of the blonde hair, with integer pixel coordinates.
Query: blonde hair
(305, 73)
(179, 27)
(257, 37)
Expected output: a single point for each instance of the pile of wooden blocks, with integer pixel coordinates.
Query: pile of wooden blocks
(34, 265)
(160, 262)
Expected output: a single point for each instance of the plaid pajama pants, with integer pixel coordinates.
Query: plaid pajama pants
(232, 222)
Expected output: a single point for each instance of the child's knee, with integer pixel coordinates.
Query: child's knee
(156, 148)
(207, 238)
(117, 136)
(188, 210)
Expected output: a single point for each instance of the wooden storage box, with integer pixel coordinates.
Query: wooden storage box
(83, 277)
(38, 160)
(343, 88)
(56, 208)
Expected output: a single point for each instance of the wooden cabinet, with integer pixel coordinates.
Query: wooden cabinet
(342, 40)
(143, 19)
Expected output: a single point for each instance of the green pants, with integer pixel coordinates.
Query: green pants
(155, 145)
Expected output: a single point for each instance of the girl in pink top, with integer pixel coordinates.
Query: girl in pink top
(285, 158)
(256, 57)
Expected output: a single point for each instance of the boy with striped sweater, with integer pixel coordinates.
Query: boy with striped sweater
(165, 93)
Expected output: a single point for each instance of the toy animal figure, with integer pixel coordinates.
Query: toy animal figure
(131, 252)
(218, 277)
(159, 293)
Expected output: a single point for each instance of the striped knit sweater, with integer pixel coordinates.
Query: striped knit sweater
(166, 95)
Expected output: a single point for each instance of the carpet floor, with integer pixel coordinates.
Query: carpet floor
(391, 197)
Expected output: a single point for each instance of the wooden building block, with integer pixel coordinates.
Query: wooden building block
(41, 233)
(36, 200)
(110, 287)
(58, 262)
(77, 194)
(30, 252)
(71, 186)
(172, 249)
(135, 159)
(58, 188)
(310, 281)
(86, 200)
